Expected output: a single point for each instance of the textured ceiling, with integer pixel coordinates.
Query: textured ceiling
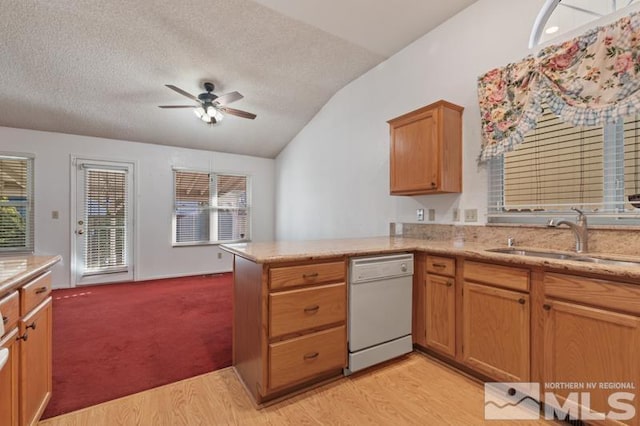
(99, 68)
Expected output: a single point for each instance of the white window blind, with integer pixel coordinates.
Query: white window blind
(16, 204)
(559, 166)
(105, 219)
(210, 207)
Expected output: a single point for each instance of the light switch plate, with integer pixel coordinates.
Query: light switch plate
(432, 214)
(471, 215)
(455, 216)
(420, 215)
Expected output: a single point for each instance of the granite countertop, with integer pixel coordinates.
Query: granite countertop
(15, 270)
(288, 251)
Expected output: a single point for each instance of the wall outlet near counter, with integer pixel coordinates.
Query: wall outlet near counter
(471, 215)
(432, 214)
(455, 215)
(420, 215)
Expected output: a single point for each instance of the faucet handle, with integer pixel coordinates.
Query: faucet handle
(580, 212)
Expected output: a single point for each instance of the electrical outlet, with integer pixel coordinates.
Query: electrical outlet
(420, 215)
(219, 255)
(455, 215)
(432, 214)
(471, 215)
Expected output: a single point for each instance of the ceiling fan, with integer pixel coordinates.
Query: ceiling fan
(210, 107)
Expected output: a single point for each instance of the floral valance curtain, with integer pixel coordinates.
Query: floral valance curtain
(590, 80)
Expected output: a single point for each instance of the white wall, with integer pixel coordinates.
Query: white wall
(156, 258)
(332, 180)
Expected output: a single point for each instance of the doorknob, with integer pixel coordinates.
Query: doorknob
(80, 231)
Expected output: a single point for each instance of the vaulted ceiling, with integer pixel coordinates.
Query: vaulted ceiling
(99, 68)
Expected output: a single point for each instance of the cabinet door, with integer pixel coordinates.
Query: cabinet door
(495, 338)
(589, 345)
(9, 381)
(414, 154)
(441, 314)
(35, 363)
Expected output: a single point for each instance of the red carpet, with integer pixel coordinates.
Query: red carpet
(118, 339)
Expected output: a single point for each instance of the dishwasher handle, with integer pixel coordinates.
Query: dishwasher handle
(4, 357)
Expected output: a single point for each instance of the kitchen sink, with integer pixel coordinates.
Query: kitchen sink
(564, 256)
(533, 253)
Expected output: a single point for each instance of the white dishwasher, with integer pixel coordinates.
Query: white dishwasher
(379, 323)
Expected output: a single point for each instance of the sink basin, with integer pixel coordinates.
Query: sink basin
(606, 261)
(564, 256)
(533, 253)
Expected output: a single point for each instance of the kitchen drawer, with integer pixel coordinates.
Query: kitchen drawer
(290, 276)
(35, 292)
(501, 276)
(591, 291)
(302, 358)
(441, 265)
(306, 308)
(10, 310)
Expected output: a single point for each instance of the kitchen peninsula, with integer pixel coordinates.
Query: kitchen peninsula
(499, 316)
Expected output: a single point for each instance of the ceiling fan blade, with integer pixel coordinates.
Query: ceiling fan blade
(227, 98)
(239, 113)
(177, 106)
(182, 92)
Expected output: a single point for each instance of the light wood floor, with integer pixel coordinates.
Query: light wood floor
(412, 390)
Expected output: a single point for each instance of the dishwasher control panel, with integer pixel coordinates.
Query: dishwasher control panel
(363, 269)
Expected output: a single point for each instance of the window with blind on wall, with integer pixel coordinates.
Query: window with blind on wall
(16, 204)
(559, 166)
(210, 208)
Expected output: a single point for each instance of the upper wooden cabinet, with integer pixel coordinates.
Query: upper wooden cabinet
(426, 150)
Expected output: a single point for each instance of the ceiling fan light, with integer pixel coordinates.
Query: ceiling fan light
(206, 118)
(199, 112)
(214, 113)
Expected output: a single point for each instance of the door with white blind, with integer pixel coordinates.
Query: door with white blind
(103, 222)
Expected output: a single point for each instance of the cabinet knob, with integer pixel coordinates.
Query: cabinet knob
(5, 320)
(449, 284)
(522, 301)
(433, 184)
(23, 337)
(546, 307)
(32, 326)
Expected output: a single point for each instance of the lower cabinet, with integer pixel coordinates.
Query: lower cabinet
(593, 344)
(495, 337)
(35, 362)
(290, 327)
(9, 376)
(440, 309)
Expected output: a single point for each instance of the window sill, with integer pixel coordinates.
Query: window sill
(209, 243)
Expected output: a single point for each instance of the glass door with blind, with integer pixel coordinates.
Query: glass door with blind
(103, 223)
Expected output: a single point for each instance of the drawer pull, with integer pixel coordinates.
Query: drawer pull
(439, 265)
(5, 320)
(521, 301)
(314, 275)
(312, 355)
(23, 337)
(311, 309)
(33, 326)
(449, 284)
(41, 290)
(546, 307)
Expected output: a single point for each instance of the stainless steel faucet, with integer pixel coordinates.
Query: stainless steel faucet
(579, 229)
